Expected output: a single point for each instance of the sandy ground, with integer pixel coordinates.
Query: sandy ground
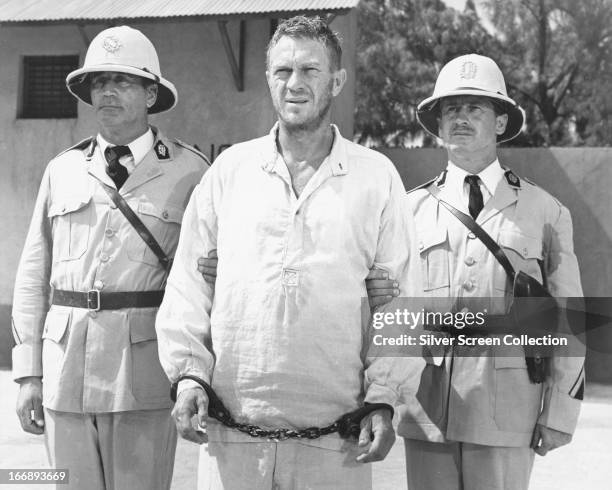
(585, 464)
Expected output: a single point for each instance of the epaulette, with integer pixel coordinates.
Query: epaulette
(81, 145)
(422, 186)
(192, 149)
(439, 181)
(530, 181)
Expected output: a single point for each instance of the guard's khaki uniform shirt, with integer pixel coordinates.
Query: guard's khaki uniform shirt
(475, 395)
(103, 361)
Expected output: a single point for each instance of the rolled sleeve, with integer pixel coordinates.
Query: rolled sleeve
(565, 387)
(31, 293)
(183, 320)
(396, 253)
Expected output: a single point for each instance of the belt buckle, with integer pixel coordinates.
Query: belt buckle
(93, 300)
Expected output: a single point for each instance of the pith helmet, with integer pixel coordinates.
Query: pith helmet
(471, 74)
(125, 50)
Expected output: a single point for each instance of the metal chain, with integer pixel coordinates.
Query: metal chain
(347, 426)
(274, 434)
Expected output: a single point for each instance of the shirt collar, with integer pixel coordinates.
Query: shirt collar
(139, 147)
(337, 158)
(490, 176)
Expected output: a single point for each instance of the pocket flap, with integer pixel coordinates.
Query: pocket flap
(56, 324)
(526, 246)
(516, 362)
(142, 326)
(164, 212)
(430, 238)
(68, 205)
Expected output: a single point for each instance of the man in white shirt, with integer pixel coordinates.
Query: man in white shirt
(90, 357)
(297, 217)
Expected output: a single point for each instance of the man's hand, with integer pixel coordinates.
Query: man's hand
(208, 267)
(29, 405)
(546, 439)
(376, 437)
(380, 288)
(190, 410)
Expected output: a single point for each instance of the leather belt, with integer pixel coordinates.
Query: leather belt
(95, 300)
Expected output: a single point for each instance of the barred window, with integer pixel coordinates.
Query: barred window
(44, 92)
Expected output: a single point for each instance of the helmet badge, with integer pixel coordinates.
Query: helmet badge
(468, 70)
(111, 44)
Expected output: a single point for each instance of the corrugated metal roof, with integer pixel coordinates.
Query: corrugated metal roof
(44, 11)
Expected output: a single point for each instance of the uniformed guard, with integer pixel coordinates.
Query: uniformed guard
(479, 414)
(105, 227)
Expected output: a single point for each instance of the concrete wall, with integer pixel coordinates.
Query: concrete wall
(579, 177)
(210, 111)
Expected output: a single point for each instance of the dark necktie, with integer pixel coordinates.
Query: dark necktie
(114, 169)
(476, 203)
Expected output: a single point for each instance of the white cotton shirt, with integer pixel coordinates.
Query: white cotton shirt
(139, 148)
(490, 177)
(281, 342)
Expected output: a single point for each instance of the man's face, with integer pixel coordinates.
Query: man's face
(302, 82)
(469, 123)
(121, 100)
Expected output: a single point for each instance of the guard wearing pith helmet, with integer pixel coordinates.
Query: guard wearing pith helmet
(481, 413)
(478, 76)
(123, 50)
(104, 231)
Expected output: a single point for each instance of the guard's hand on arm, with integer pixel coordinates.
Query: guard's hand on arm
(546, 439)
(380, 288)
(29, 405)
(376, 437)
(191, 410)
(208, 267)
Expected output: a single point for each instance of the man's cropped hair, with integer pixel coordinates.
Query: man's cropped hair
(302, 27)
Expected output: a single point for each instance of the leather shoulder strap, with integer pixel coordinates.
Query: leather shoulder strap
(475, 228)
(137, 224)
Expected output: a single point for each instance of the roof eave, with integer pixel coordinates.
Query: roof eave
(178, 18)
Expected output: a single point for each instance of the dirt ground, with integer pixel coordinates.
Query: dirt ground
(585, 464)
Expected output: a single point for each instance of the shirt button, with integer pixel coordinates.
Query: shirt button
(290, 278)
(103, 257)
(113, 205)
(99, 285)
(469, 261)
(93, 314)
(471, 235)
(525, 250)
(421, 246)
(468, 285)
(109, 232)
(165, 214)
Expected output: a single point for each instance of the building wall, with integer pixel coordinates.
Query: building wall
(210, 111)
(581, 178)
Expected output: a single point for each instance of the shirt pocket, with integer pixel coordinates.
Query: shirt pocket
(434, 250)
(164, 222)
(517, 400)
(55, 339)
(71, 218)
(524, 252)
(149, 382)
